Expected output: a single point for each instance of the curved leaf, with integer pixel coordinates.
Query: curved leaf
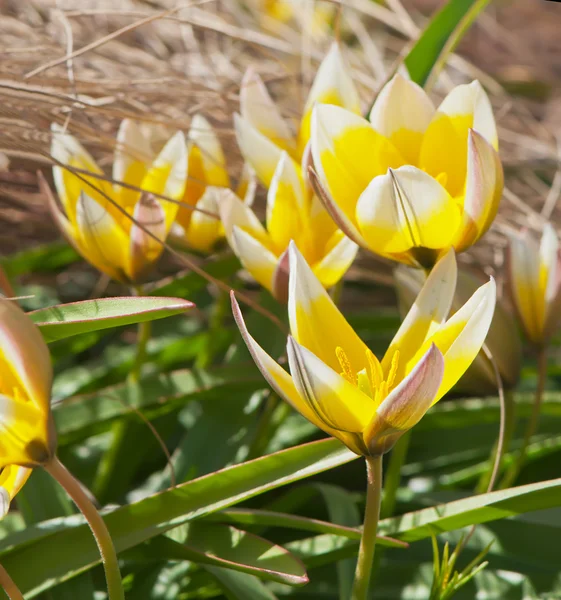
(64, 320)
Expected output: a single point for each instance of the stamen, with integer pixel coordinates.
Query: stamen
(364, 384)
(376, 373)
(393, 369)
(345, 363)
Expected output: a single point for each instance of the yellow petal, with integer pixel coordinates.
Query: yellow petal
(348, 153)
(402, 112)
(425, 316)
(104, 243)
(315, 321)
(285, 203)
(259, 109)
(66, 149)
(205, 228)
(333, 84)
(338, 403)
(524, 274)
(234, 212)
(406, 209)
(333, 266)
(12, 479)
(260, 152)
(444, 148)
(260, 262)
(24, 358)
(202, 135)
(133, 154)
(484, 187)
(168, 174)
(460, 339)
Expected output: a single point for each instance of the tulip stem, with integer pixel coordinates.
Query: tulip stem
(368, 541)
(533, 422)
(9, 585)
(101, 534)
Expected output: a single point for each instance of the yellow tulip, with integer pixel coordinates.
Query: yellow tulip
(200, 229)
(102, 230)
(534, 276)
(28, 435)
(412, 181)
(503, 339)
(338, 384)
(293, 211)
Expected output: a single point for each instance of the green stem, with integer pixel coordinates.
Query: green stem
(9, 585)
(144, 333)
(393, 475)
(368, 541)
(101, 534)
(533, 422)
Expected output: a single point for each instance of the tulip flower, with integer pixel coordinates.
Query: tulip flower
(293, 211)
(339, 385)
(534, 276)
(503, 339)
(28, 436)
(119, 230)
(197, 224)
(411, 182)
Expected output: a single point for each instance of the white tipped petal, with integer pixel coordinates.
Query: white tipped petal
(202, 135)
(147, 235)
(133, 151)
(333, 266)
(204, 227)
(256, 258)
(338, 403)
(234, 212)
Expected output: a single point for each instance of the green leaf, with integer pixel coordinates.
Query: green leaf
(66, 550)
(240, 586)
(441, 36)
(64, 320)
(46, 258)
(228, 547)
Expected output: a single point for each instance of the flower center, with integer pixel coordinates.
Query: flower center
(369, 380)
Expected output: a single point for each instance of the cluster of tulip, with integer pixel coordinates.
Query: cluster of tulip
(412, 183)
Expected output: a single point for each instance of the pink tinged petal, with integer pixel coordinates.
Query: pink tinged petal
(407, 403)
(102, 240)
(24, 352)
(260, 152)
(338, 403)
(285, 203)
(260, 262)
(279, 287)
(147, 235)
(406, 209)
(402, 112)
(315, 321)
(347, 154)
(12, 479)
(259, 109)
(168, 175)
(202, 135)
(247, 185)
(460, 339)
(204, 227)
(468, 105)
(234, 212)
(523, 270)
(426, 315)
(333, 266)
(132, 154)
(339, 217)
(484, 187)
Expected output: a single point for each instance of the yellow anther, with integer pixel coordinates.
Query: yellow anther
(376, 373)
(393, 369)
(345, 363)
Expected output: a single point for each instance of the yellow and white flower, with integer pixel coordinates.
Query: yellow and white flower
(108, 223)
(412, 181)
(338, 384)
(28, 436)
(293, 211)
(534, 275)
